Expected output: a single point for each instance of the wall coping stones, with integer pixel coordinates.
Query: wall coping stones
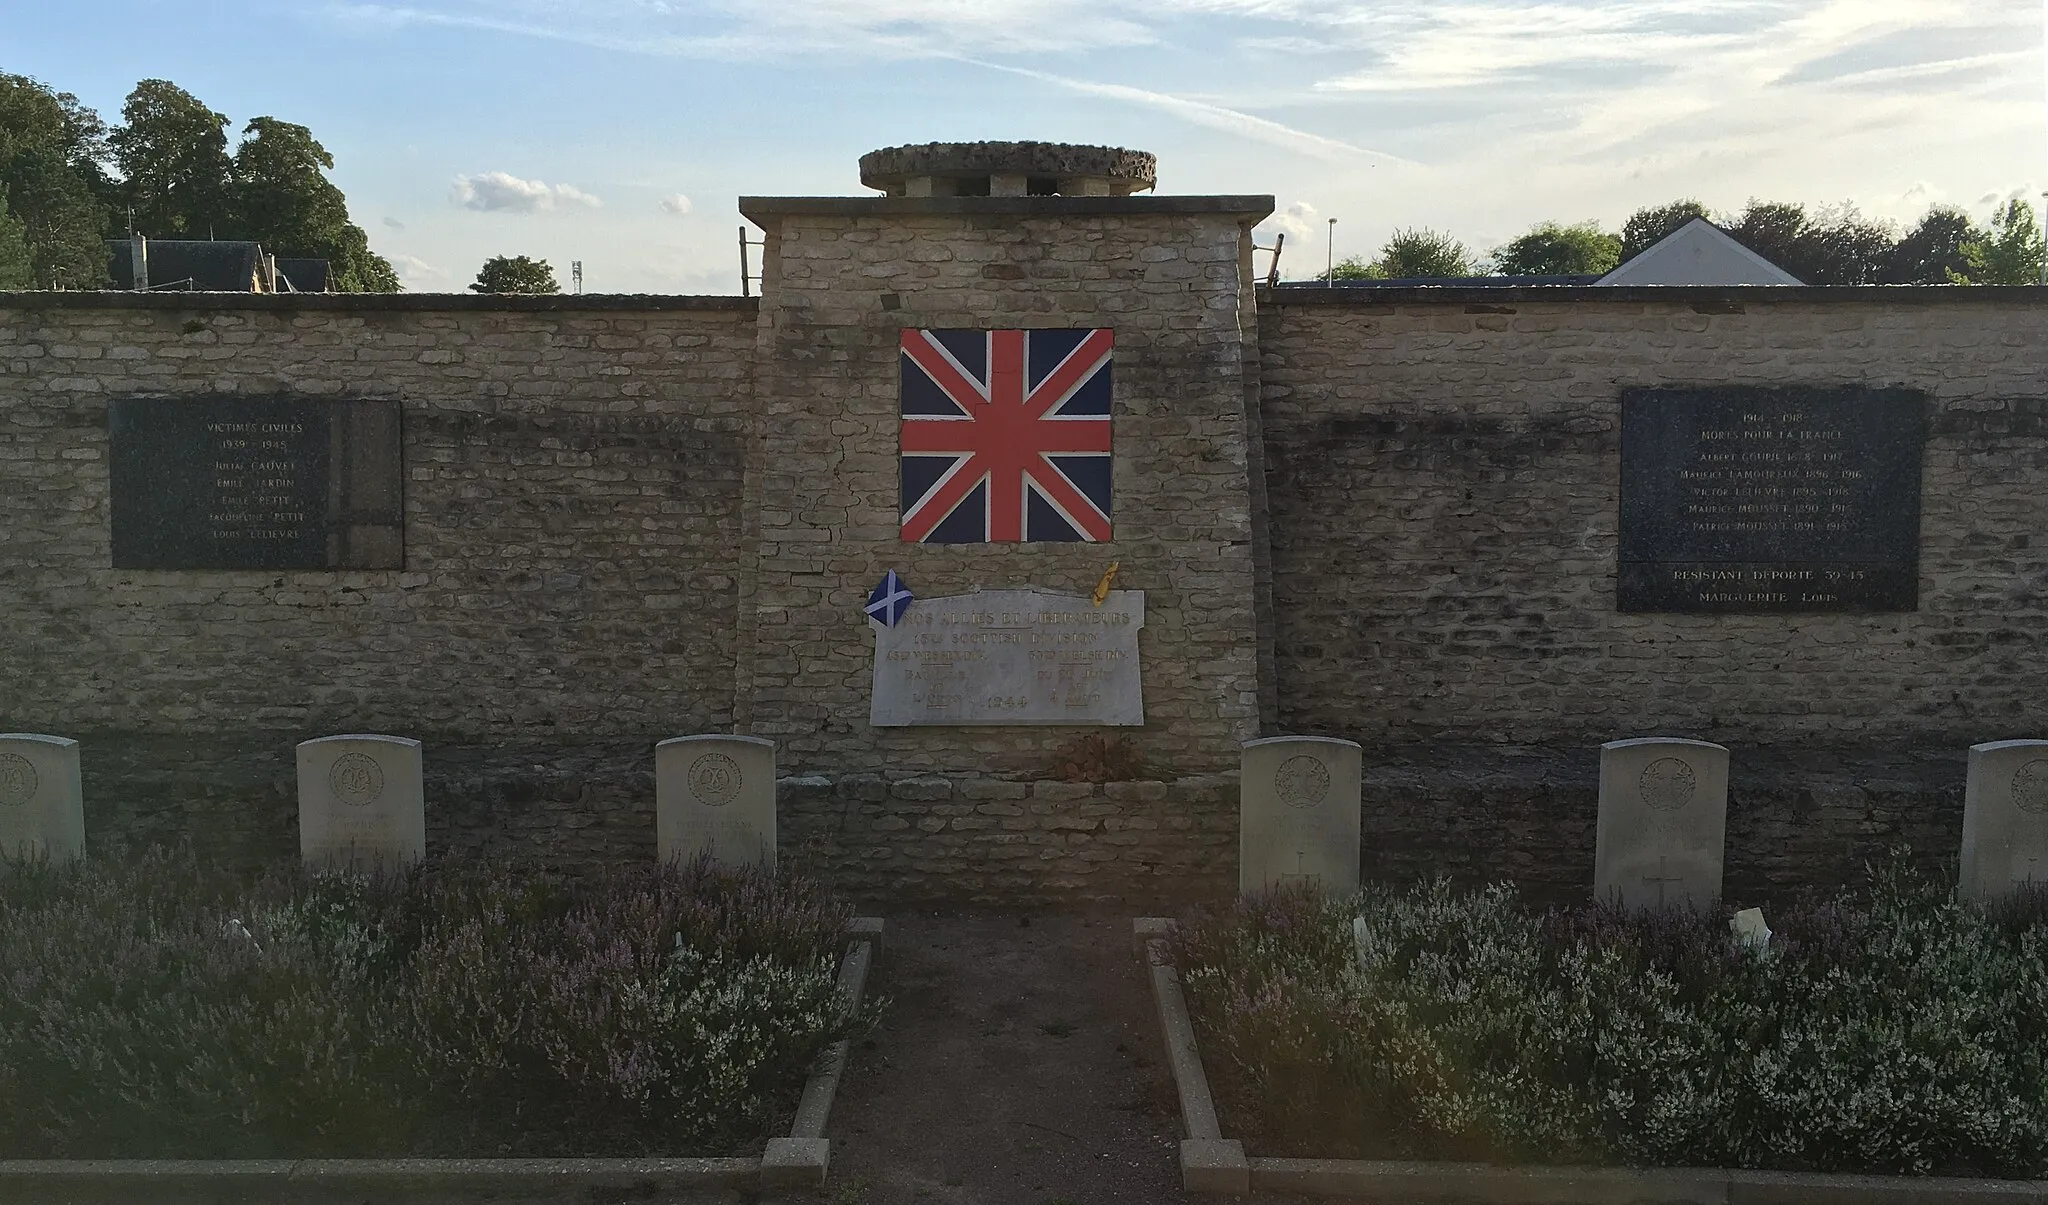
(117, 299)
(1723, 298)
(891, 166)
(756, 209)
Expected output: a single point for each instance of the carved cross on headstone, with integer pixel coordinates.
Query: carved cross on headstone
(1662, 879)
(2030, 878)
(1298, 874)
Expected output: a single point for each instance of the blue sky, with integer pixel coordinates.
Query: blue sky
(620, 132)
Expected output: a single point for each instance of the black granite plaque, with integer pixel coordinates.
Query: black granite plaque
(1755, 500)
(216, 482)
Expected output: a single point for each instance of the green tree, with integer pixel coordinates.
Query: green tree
(1423, 253)
(1647, 227)
(1774, 230)
(52, 152)
(16, 270)
(515, 274)
(1351, 267)
(1840, 248)
(1550, 249)
(1932, 253)
(2010, 252)
(173, 154)
(282, 200)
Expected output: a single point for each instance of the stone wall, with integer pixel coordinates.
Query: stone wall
(1443, 480)
(573, 481)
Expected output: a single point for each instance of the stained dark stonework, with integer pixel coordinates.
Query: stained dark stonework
(229, 482)
(1764, 501)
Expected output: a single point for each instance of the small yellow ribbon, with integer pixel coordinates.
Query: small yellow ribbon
(1102, 587)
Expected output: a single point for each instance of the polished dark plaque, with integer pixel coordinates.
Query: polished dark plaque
(1764, 500)
(223, 482)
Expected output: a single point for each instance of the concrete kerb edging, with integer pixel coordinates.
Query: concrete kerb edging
(1211, 1163)
(796, 1161)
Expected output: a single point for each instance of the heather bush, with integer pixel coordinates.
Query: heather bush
(158, 1008)
(1890, 1029)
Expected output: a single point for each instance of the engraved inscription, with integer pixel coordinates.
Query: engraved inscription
(1770, 500)
(18, 780)
(357, 779)
(715, 779)
(1012, 657)
(1667, 784)
(2030, 787)
(1302, 782)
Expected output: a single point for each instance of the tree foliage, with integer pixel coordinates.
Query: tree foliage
(1550, 249)
(1934, 252)
(52, 153)
(2010, 252)
(1646, 228)
(515, 274)
(173, 154)
(16, 271)
(282, 200)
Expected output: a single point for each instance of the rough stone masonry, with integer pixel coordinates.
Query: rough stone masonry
(1386, 515)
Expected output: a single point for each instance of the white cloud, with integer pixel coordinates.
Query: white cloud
(502, 192)
(394, 223)
(676, 203)
(416, 273)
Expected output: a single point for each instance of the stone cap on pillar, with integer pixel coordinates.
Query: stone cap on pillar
(1008, 169)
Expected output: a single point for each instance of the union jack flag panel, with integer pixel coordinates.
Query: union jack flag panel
(1006, 436)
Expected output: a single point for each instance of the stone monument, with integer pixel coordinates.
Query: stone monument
(1011, 657)
(2005, 821)
(362, 801)
(715, 795)
(1663, 823)
(1298, 814)
(42, 809)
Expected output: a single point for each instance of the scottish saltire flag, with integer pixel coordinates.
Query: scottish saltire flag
(888, 601)
(1006, 435)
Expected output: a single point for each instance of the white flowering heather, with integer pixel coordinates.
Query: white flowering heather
(1892, 1031)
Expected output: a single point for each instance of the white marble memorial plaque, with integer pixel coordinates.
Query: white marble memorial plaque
(1011, 657)
(715, 795)
(42, 809)
(2005, 821)
(362, 801)
(1663, 823)
(1298, 814)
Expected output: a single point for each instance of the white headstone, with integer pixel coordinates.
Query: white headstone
(362, 801)
(715, 795)
(1663, 823)
(1013, 658)
(2005, 820)
(1298, 814)
(42, 809)
(1749, 928)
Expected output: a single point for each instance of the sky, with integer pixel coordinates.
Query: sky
(621, 132)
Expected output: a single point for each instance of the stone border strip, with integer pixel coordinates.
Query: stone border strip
(798, 1160)
(1210, 1163)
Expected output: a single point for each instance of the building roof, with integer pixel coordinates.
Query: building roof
(200, 265)
(301, 275)
(1699, 253)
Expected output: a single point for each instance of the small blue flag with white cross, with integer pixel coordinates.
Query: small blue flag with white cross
(888, 601)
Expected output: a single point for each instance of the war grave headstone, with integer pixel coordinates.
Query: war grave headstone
(1298, 813)
(231, 482)
(42, 809)
(1018, 657)
(1663, 823)
(362, 801)
(2005, 821)
(1770, 501)
(715, 795)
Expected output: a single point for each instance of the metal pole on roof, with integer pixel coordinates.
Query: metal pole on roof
(1330, 253)
(2044, 245)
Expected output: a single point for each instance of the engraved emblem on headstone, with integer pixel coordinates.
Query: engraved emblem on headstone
(18, 780)
(357, 779)
(1301, 782)
(2030, 787)
(715, 779)
(1667, 784)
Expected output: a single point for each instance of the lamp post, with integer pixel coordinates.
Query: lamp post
(1330, 253)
